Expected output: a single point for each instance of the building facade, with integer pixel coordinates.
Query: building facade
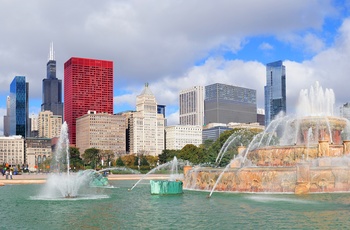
(227, 103)
(275, 90)
(102, 131)
(177, 136)
(19, 107)
(52, 88)
(345, 110)
(37, 151)
(145, 126)
(88, 85)
(12, 150)
(7, 117)
(213, 131)
(191, 106)
(49, 125)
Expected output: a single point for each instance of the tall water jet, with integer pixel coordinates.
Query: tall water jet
(61, 183)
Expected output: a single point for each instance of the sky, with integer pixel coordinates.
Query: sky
(175, 45)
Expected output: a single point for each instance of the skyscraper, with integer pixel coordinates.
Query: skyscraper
(19, 115)
(275, 90)
(192, 106)
(7, 117)
(145, 126)
(88, 85)
(227, 103)
(52, 88)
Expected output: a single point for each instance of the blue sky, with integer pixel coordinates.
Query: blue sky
(174, 45)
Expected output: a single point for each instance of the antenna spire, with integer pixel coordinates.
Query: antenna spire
(52, 53)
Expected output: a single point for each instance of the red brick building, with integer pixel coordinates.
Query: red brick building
(88, 85)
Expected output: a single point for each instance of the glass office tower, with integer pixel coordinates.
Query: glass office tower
(275, 90)
(19, 115)
(227, 103)
(52, 88)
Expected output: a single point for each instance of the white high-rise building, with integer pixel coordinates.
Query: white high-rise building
(49, 125)
(146, 126)
(177, 136)
(191, 106)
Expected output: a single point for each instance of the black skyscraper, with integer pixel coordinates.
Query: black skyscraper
(52, 88)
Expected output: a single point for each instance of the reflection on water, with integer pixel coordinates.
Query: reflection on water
(119, 208)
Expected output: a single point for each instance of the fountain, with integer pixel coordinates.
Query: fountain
(165, 187)
(64, 184)
(306, 153)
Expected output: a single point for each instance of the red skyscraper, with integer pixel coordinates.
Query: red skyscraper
(88, 85)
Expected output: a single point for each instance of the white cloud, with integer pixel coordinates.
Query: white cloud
(265, 46)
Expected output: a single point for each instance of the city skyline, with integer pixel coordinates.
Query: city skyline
(176, 46)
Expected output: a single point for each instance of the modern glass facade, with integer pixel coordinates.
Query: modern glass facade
(19, 116)
(52, 89)
(226, 103)
(88, 85)
(275, 90)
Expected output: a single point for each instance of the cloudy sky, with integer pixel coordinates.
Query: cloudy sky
(174, 45)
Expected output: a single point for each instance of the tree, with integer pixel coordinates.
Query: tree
(192, 153)
(168, 155)
(91, 157)
(75, 160)
(120, 162)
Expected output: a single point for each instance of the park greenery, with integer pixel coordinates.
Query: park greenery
(205, 154)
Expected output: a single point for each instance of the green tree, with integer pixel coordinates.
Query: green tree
(192, 153)
(168, 155)
(76, 162)
(91, 157)
(120, 162)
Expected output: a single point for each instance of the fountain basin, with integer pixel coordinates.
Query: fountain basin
(165, 187)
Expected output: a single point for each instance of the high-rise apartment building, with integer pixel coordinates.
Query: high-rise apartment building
(52, 88)
(19, 104)
(227, 103)
(191, 106)
(102, 131)
(88, 85)
(275, 90)
(49, 125)
(145, 126)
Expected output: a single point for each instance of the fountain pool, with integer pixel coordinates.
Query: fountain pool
(138, 210)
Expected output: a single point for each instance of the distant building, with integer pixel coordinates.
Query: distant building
(177, 136)
(213, 131)
(52, 88)
(191, 106)
(88, 85)
(260, 117)
(12, 150)
(227, 103)
(37, 151)
(49, 125)
(145, 131)
(7, 117)
(255, 126)
(161, 110)
(275, 91)
(101, 131)
(345, 110)
(19, 106)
